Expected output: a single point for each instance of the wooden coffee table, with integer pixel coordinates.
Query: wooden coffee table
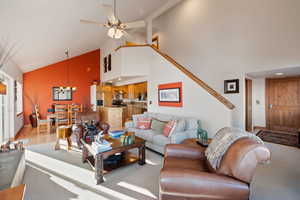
(96, 160)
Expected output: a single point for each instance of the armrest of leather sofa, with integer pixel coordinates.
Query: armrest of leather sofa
(184, 151)
(201, 184)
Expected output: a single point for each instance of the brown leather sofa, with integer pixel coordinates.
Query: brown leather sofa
(187, 175)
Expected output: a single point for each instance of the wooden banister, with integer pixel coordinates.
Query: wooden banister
(201, 83)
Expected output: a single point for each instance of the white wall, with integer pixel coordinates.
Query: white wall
(14, 72)
(224, 39)
(258, 102)
(196, 101)
(111, 44)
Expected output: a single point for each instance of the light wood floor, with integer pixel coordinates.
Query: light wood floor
(33, 137)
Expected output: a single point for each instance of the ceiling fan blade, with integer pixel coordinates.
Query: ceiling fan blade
(91, 22)
(128, 36)
(136, 24)
(109, 11)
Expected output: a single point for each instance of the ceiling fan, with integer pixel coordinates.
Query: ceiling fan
(116, 28)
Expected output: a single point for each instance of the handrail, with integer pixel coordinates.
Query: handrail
(201, 83)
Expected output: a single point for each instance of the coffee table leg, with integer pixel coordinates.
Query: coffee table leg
(84, 154)
(99, 168)
(142, 155)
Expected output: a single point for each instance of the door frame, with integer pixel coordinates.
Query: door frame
(248, 104)
(267, 92)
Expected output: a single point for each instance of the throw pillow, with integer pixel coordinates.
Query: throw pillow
(135, 119)
(169, 128)
(157, 125)
(143, 123)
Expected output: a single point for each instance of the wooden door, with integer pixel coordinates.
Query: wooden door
(283, 104)
(248, 83)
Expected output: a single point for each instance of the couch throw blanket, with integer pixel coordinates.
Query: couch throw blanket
(223, 139)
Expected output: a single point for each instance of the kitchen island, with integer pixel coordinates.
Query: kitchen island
(115, 116)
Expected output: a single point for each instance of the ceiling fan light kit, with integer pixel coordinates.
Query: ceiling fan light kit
(115, 33)
(116, 29)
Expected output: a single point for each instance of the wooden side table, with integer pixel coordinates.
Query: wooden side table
(193, 141)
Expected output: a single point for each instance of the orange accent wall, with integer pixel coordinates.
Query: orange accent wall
(38, 84)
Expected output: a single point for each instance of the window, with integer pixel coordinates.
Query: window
(4, 110)
(19, 97)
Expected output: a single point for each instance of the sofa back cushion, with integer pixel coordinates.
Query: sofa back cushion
(191, 123)
(158, 126)
(144, 123)
(159, 116)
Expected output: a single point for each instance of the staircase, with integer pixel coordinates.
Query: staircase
(201, 83)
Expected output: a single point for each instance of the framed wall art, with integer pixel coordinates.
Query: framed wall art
(231, 86)
(59, 94)
(109, 63)
(105, 64)
(170, 94)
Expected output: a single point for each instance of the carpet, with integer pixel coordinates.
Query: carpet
(61, 175)
(278, 137)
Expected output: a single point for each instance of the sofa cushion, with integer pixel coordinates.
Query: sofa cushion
(157, 125)
(191, 123)
(180, 125)
(144, 123)
(146, 134)
(184, 163)
(161, 140)
(135, 119)
(169, 128)
(160, 116)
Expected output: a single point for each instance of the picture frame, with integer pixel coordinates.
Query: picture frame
(170, 95)
(105, 64)
(57, 95)
(231, 86)
(109, 63)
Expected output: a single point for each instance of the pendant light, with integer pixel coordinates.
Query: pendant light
(68, 87)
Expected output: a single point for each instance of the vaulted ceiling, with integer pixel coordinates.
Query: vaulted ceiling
(44, 29)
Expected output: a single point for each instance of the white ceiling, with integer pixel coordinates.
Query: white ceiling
(44, 29)
(286, 72)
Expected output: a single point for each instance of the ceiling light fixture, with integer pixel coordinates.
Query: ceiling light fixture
(115, 32)
(279, 74)
(116, 29)
(67, 88)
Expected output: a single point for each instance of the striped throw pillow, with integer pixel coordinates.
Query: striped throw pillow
(143, 123)
(169, 128)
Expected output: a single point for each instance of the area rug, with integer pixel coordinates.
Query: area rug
(284, 138)
(62, 173)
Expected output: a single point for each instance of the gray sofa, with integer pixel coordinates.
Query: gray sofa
(186, 128)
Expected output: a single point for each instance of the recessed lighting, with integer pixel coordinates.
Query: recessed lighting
(119, 78)
(279, 74)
